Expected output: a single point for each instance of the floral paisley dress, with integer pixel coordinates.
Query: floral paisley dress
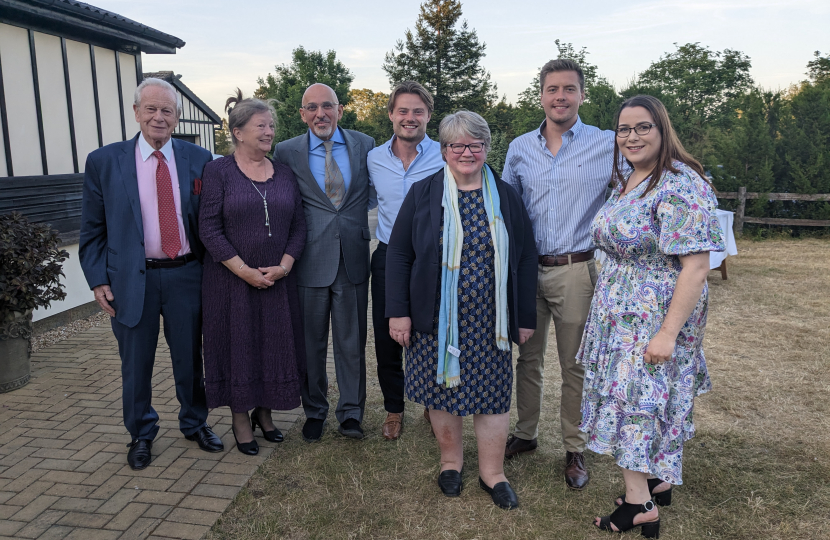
(486, 371)
(641, 413)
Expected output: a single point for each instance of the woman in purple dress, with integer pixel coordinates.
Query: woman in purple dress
(252, 224)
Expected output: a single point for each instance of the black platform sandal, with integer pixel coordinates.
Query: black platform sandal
(660, 499)
(275, 435)
(623, 519)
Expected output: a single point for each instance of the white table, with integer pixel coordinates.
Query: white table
(717, 259)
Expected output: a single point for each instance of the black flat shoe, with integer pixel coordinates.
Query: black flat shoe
(139, 455)
(247, 448)
(502, 494)
(313, 429)
(450, 483)
(623, 519)
(660, 499)
(274, 435)
(207, 439)
(351, 428)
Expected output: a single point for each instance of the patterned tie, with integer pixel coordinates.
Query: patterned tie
(168, 223)
(335, 186)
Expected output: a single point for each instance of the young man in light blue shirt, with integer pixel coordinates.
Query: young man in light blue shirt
(404, 159)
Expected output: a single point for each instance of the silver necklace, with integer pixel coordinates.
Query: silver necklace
(265, 205)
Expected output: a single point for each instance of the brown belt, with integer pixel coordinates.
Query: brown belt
(561, 260)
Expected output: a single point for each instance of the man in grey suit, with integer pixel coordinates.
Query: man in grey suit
(333, 274)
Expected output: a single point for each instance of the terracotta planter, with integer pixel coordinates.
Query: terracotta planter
(15, 333)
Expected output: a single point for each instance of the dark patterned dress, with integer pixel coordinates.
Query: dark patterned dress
(253, 339)
(486, 372)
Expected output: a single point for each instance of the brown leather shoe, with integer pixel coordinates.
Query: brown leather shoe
(516, 446)
(392, 426)
(576, 475)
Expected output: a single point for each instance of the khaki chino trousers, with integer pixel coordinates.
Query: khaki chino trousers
(563, 294)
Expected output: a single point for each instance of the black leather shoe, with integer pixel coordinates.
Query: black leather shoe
(450, 483)
(351, 428)
(207, 439)
(275, 435)
(139, 455)
(502, 494)
(247, 448)
(313, 429)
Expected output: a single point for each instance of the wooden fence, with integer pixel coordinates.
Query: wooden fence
(741, 195)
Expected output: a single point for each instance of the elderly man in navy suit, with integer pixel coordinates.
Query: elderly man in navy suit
(141, 255)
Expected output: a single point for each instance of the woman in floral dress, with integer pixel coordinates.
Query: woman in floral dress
(641, 349)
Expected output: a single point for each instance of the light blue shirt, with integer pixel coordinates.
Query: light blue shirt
(562, 193)
(391, 183)
(317, 158)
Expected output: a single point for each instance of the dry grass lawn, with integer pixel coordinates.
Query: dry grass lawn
(758, 468)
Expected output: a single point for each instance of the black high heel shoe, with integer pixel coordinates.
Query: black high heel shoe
(623, 519)
(274, 435)
(660, 499)
(247, 448)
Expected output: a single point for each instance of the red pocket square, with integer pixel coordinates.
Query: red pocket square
(197, 187)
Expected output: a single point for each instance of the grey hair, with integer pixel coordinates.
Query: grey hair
(240, 110)
(461, 123)
(150, 81)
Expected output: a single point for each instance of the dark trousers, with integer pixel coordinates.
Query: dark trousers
(176, 295)
(389, 353)
(345, 304)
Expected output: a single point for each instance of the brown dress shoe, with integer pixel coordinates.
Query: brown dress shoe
(576, 475)
(392, 426)
(516, 446)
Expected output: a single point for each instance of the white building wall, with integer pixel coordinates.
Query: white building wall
(108, 95)
(53, 104)
(83, 99)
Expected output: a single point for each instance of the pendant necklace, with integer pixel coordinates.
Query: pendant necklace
(265, 205)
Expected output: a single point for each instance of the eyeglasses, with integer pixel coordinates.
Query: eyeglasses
(639, 129)
(327, 106)
(475, 148)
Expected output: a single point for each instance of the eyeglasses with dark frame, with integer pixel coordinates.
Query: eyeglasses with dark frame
(639, 129)
(327, 106)
(458, 148)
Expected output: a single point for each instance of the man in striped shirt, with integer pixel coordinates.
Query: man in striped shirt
(562, 171)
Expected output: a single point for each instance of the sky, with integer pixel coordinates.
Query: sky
(233, 43)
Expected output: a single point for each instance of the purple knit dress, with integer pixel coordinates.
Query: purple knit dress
(253, 339)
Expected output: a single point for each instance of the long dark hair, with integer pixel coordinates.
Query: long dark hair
(671, 148)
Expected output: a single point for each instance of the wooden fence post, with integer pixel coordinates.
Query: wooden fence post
(739, 215)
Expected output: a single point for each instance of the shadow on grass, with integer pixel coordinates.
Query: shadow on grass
(340, 488)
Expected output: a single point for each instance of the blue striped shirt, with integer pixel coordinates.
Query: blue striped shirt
(564, 192)
(391, 183)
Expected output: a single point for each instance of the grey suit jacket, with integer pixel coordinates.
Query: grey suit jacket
(332, 230)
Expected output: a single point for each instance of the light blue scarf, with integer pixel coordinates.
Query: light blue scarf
(449, 368)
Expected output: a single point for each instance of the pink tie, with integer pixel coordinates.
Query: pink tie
(168, 223)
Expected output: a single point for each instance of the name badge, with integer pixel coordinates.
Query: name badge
(454, 351)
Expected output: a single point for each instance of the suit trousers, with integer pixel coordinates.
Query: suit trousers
(389, 353)
(346, 304)
(563, 294)
(176, 295)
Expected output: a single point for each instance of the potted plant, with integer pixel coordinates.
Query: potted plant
(30, 272)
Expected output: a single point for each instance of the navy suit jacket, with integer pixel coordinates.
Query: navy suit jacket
(111, 247)
(413, 258)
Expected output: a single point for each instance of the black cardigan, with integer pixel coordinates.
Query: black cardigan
(413, 259)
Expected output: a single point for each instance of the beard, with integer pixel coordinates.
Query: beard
(324, 132)
(410, 136)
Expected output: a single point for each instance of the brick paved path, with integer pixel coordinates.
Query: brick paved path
(63, 455)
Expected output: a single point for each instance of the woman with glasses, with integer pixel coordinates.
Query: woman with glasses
(641, 348)
(461, 284)
(252, 224)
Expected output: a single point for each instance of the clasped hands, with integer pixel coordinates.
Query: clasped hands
(262, 277)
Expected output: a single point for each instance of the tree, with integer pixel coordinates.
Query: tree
(222, 138)
(290, 81)
(372, 117)
(699, 87)
(445, 57)
(819, 68)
